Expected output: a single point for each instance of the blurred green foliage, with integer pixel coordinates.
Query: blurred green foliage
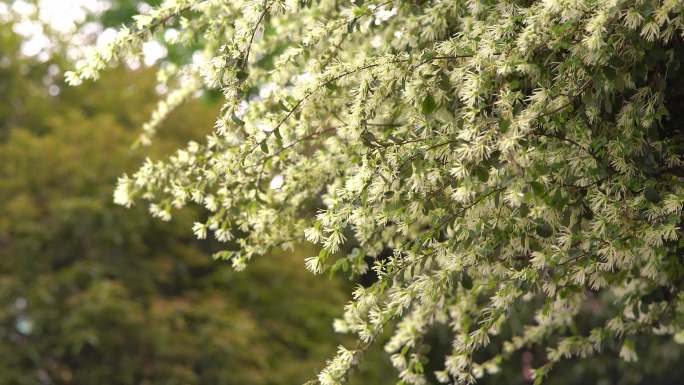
(91, 293)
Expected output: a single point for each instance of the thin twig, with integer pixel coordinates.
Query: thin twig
(336, 78)
(254, 31)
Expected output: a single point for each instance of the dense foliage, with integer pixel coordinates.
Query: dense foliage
(487, 157)
(91, 293)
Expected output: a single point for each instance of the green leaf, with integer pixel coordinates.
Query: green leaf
(237, 120)
(544, 230)
(283, 106)
(633, 184)
(652, 194)
(428, 55)
(537, 188)
(466, 281)
(428, 105)
(524, 210)
(242, 76)
(504, 124)
(351, 25)
(481, 173)
(291, 101)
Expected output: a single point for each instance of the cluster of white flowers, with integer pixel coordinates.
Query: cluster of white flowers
(508, 154)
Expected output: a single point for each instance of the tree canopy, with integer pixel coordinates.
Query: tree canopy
(479, 157)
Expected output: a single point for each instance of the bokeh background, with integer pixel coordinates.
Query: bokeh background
(92, 293)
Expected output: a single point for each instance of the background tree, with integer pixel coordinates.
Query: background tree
(92, 294)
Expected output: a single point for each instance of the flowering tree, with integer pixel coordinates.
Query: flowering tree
(485, 155)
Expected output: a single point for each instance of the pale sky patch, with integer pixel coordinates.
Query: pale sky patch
(68, 19)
